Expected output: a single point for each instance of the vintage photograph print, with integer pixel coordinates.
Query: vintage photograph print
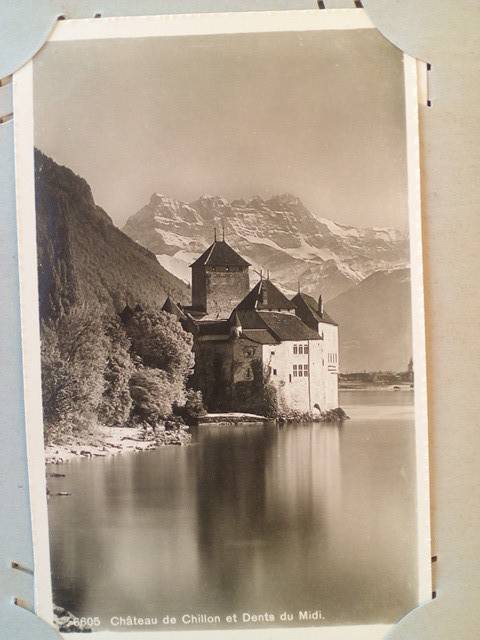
(228, 275)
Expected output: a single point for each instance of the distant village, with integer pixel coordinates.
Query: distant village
(243, 334)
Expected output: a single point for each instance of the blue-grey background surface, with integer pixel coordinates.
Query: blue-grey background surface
(447, 35)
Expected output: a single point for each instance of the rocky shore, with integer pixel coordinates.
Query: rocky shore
(107, 441)
(337, 415)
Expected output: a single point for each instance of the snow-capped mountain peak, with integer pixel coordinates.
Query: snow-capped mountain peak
(279, 234)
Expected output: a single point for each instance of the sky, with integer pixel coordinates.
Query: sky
(318, 114)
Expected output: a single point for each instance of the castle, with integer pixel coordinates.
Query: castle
(241, 334)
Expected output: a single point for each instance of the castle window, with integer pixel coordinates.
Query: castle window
(295, 349)
(274, 372)
(305, 349)
(305, 370)
(294, 370)
(300, 371)
(289, 377)
(272, 353)
(300, 348)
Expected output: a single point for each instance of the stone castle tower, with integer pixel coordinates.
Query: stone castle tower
(220, 280)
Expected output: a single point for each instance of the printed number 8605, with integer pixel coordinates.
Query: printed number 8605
(93, 621)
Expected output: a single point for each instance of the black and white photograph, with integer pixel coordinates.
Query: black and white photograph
(226, 294)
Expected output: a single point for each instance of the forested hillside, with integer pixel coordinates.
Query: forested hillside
(83, 257)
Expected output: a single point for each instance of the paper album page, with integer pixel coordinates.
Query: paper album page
(223, 325)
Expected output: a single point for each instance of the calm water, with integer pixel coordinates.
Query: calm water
(248, 519)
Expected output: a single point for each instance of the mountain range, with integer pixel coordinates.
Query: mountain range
(279, 235)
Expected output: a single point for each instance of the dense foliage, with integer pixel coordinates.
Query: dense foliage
(193, 407)
(116, 402)
(159, 340)
(74, 352)
(98, 367)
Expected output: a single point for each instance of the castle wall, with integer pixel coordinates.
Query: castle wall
(227, 370)
(199, 289)
(225, 288)
(331, 363)
(299, 377)
(213, 372)
(245, 354)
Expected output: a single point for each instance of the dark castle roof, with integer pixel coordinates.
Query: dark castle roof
(171, 307)
(265, 296)
(271, 327)
(220, 254)
(213, 327)
(309, 307)
(285, 326)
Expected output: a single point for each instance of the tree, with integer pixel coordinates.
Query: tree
(161, 343)
(73, 350)
(116, 402)
(153, 394)
(193, 407)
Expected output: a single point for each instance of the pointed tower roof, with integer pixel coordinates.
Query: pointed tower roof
(220, 254)
(265, 296)
(306, 304)
(171, 307)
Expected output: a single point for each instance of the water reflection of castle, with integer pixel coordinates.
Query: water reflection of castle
(236, 328)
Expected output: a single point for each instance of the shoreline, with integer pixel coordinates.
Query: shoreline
(389, 388)
(103, 442)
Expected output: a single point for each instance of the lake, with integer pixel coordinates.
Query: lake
(247, 519)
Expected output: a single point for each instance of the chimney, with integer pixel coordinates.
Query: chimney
(320, 305)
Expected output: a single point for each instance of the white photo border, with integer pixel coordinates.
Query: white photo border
(203, 24)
